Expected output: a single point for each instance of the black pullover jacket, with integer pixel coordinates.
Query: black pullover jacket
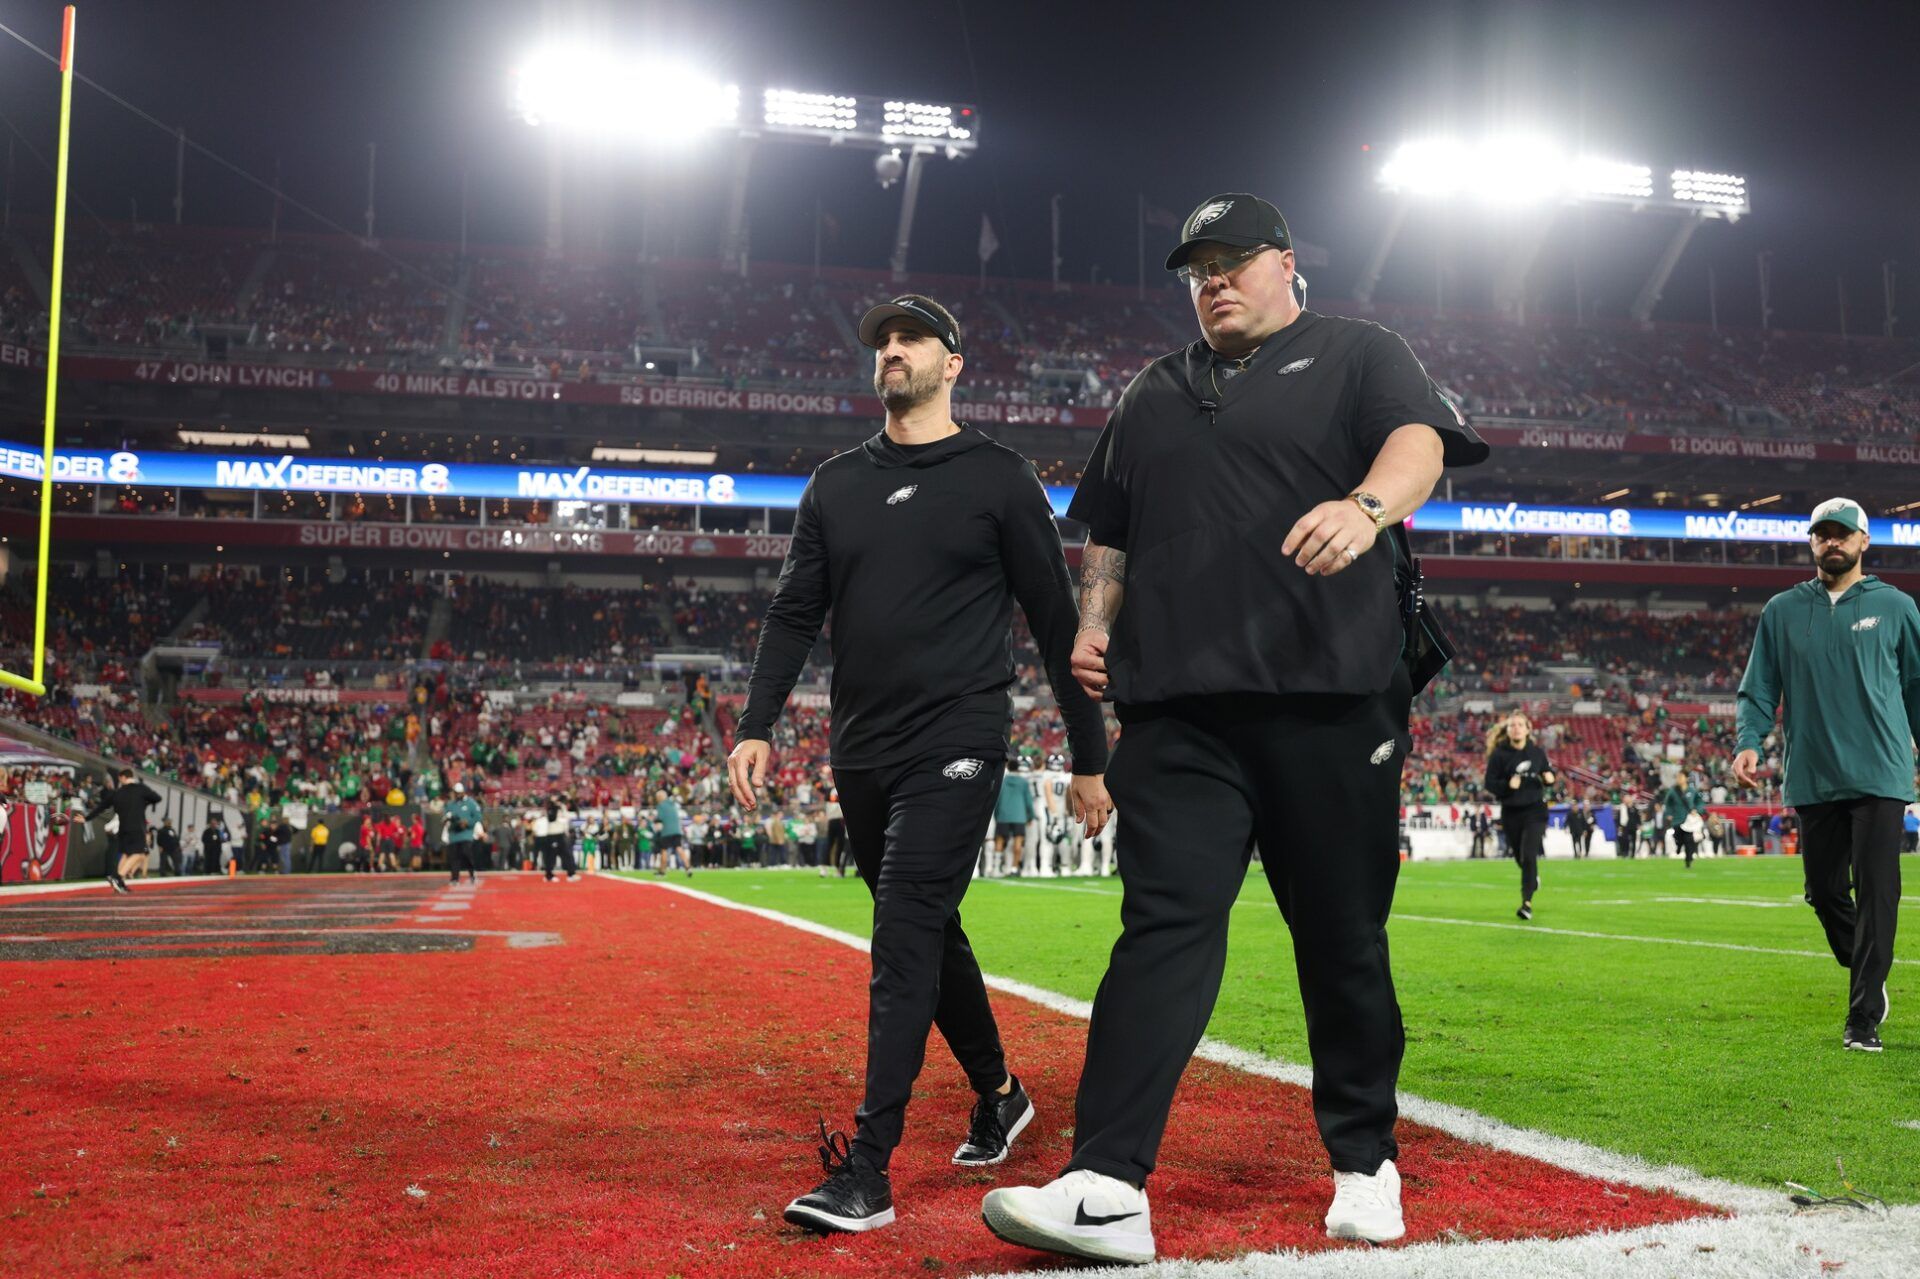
(129, 803)
(919, 554)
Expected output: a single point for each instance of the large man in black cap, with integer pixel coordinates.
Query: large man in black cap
(919, 542)
(1245, 502)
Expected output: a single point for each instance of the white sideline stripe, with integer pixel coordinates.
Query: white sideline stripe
(1455, 1121)
(76, 885)
(1857, 1245)
(1653, 941)
(516, 939)
(1763, 903)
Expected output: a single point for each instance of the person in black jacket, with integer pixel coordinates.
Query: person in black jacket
(919, 543)
(1249, 603)
(213, 845)
(1580, 828)
(1518, 775)
(167, 839)
(129, 801)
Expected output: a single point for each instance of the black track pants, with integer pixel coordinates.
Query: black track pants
(1526, 838)
(1315, 781)
(1850, 850)
(914, 829)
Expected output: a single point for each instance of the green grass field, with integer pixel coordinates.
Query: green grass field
(1725, 1060)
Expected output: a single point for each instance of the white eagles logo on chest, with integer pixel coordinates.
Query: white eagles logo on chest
(1295, 367)
(1210, 213)
(962, 769)
(1866, 624)
(901, 494)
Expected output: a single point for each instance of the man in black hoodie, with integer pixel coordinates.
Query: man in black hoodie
(129, 801)
(918, 543)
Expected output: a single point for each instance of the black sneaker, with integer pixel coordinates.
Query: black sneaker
(1861, 1039)
(1525, 911)
(119, 884)
(855, 1196)
(996, 1122)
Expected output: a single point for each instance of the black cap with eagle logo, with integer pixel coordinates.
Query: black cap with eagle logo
(1236, 218)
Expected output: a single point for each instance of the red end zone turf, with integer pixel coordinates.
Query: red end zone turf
(636, 1100)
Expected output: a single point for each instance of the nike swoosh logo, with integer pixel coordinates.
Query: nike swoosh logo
(1081, 1218)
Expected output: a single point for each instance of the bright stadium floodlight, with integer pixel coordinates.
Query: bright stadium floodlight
(1720, 190)
(1429, 168)
(1601, 179)
(592, 91)
(825, 113)
(916, 121)
(1518, 170)
(882, 123)
(1526, 170)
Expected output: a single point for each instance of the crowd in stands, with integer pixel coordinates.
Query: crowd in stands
(1665, 653)
(498, 622)
(335, 300)
(280, 617)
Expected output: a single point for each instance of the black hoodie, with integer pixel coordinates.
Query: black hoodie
(919, 554)
(129, 802)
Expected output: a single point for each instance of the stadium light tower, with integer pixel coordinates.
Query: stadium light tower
(606, 95)
(1532, 174)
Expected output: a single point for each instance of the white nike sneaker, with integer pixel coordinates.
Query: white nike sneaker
(1366, 1207)
(1083, 1214)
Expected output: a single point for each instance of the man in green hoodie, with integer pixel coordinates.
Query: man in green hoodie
(1839, 657)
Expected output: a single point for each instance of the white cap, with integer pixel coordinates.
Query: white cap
(459, 788)
(1840, 510)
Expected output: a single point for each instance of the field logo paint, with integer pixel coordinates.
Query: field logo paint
(28, 850)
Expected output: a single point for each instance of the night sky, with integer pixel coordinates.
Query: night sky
(1098, 102)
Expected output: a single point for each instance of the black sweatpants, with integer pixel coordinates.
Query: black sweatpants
(1526, 838)
(464, 855)
(1315, 780)
(914, 829)
(1850, 851)
(557, 848)
(1688, 845)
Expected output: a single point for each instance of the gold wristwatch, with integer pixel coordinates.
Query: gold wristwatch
(1375, 509)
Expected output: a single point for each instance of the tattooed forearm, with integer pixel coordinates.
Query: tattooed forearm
(1103, 585)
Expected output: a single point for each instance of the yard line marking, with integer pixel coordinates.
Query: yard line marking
(1763, 903)
(1658, 941)
(1456, 1121)
(1058, 888)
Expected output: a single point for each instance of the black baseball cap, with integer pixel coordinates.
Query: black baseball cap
(1235, 218)
(921, 310)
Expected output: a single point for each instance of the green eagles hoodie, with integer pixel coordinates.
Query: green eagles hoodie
(1846, 676)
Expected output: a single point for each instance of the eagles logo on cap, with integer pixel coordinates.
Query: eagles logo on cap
(1207, 213)
(1843, 511)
